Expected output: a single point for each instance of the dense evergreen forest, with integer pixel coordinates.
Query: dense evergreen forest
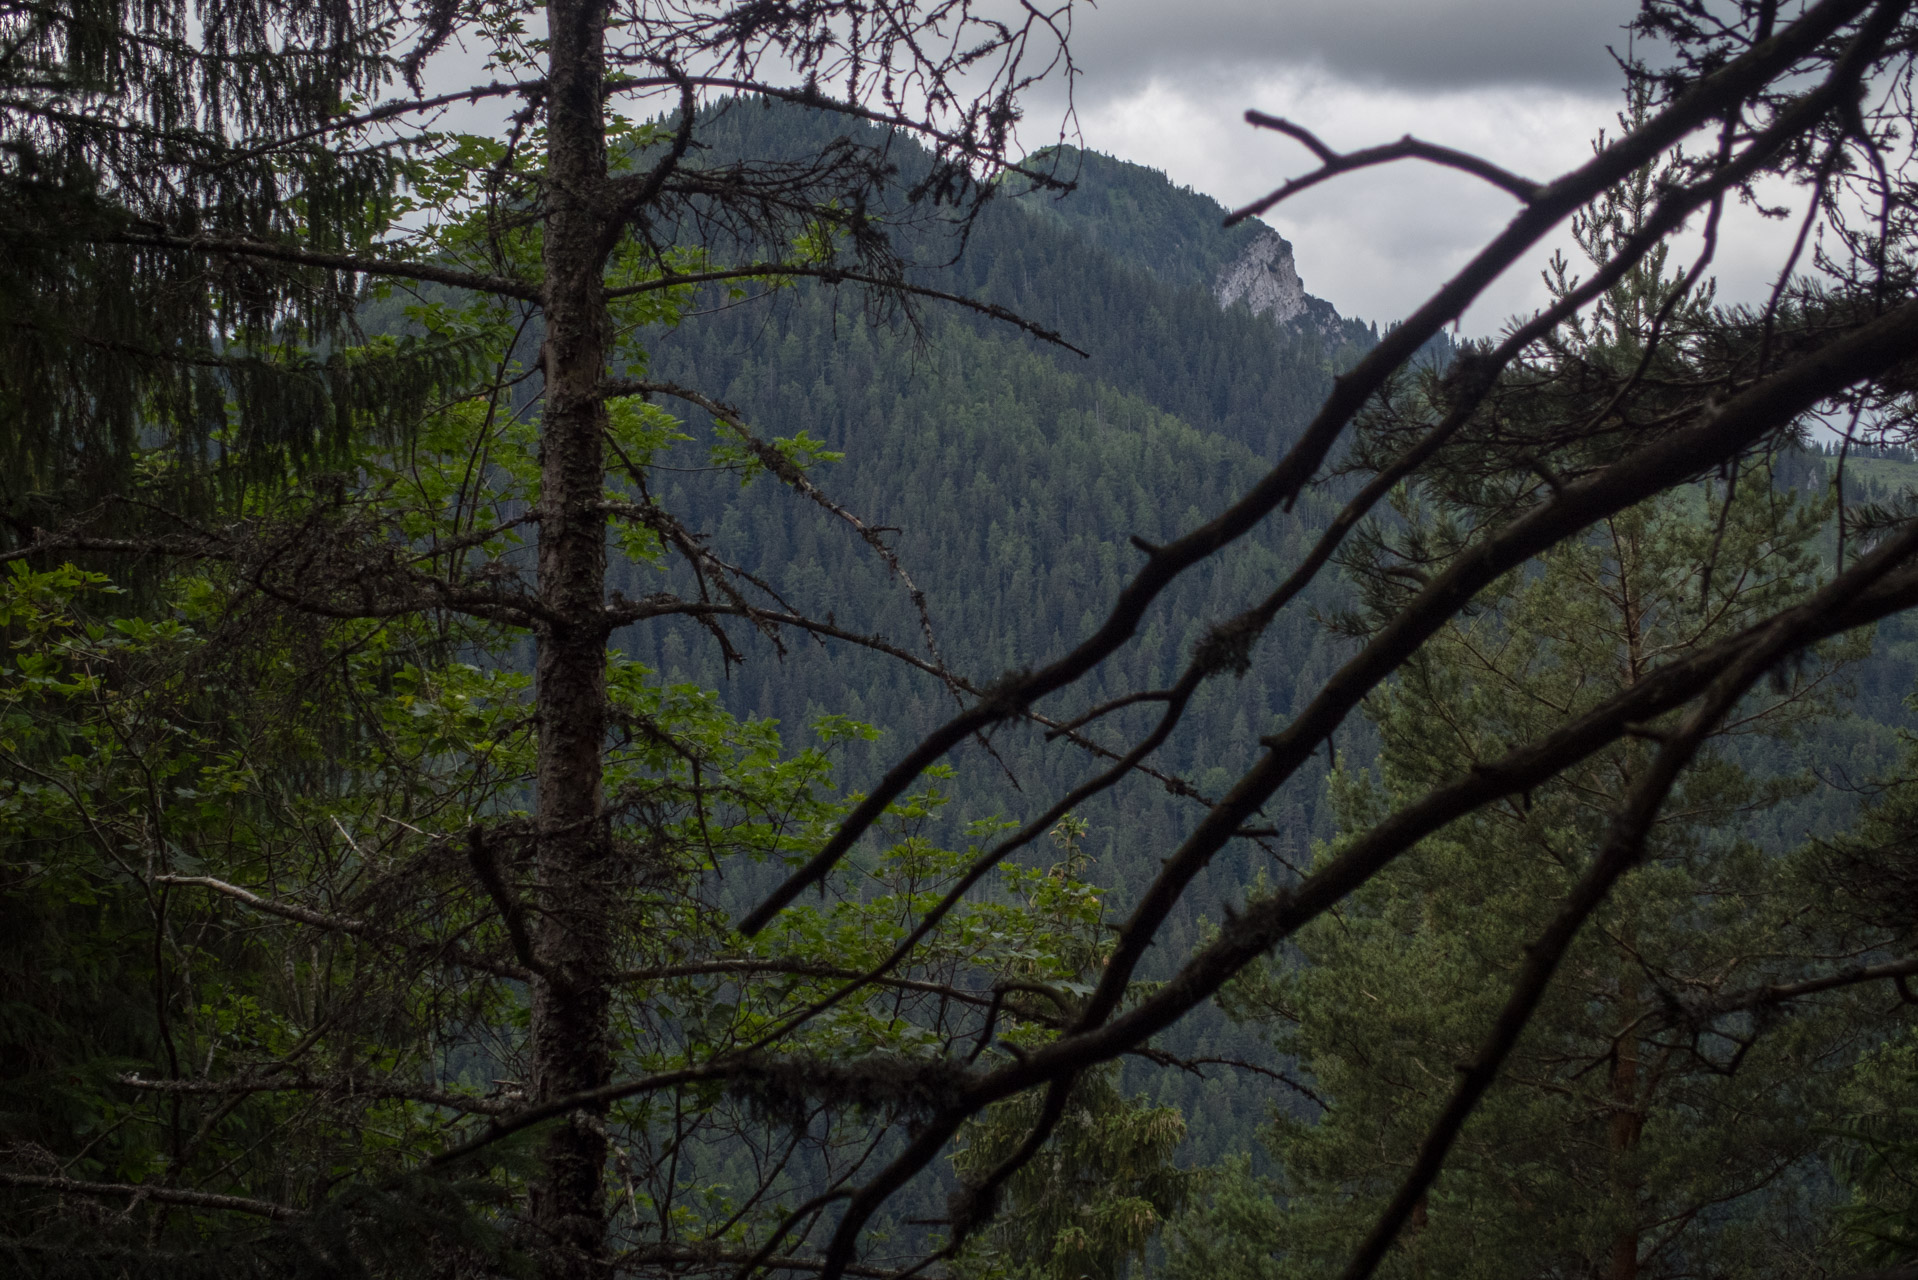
(1073, 456)
(745, 676)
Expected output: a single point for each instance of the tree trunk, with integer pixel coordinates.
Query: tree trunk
(1414, 1230)
(571, 1036)
(1626, 1124)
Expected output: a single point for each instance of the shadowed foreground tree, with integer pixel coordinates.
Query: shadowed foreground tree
(384, 930)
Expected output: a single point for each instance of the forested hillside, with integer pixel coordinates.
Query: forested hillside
(1067, 458)
(1016, 473)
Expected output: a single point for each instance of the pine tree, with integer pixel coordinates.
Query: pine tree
(1616, 1143)
(1623, 1138)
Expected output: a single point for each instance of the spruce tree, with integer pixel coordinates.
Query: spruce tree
(526, 879)
(1617, 1143)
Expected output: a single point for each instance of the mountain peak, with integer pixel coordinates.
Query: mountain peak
(1142, 216)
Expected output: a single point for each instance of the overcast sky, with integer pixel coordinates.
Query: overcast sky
(1527, 83)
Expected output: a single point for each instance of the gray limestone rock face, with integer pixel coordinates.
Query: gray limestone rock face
(1264, 275)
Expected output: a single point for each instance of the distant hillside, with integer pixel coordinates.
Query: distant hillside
(1016, 471)
(1138, 216)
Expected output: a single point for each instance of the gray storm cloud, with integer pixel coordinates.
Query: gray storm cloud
(1408, 44)
(1526, 83)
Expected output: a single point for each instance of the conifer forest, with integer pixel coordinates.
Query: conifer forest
(681, 638)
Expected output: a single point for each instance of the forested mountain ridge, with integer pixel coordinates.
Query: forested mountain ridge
(1016, 471)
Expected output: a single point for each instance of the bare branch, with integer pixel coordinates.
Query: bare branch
(157, 1194)
(385, 111)
(393, 268)
(1785, 992)
(1334, 163)
(338, 1086)
(624, 612)
(843, 275)
(795, 477)
(485, 863)
(749, 965)
(811, 97)
(1352, 390)
(343, 924)
(632, 194)
(45, 543)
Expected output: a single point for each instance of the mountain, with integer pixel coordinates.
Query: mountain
(1138, 216)
(1015, 473)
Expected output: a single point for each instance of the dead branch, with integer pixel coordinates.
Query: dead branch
(335, 1086)
(448, 952)
(143, 1191)
(845, 275)
(391, 268)
(1557, 201)
(1334, 163)
(1785, 992)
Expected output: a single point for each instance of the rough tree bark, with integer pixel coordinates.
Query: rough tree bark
(571, 1038)
(1627, 1120)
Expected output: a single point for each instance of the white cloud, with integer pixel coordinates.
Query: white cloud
(1376, 243)
(1403, 43)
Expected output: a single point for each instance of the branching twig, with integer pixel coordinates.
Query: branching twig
(1622, 850)
(144, 1191)
(1333, 163)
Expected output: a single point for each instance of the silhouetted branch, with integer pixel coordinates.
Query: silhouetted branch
(1351, 392)
(390, 268)
(146, 1191)
(344, 924)
(1622, 850)
(1785, 992)
(1334, 163)
(844, 275)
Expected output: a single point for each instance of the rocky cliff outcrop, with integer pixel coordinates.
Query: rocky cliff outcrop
(1265, 277)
